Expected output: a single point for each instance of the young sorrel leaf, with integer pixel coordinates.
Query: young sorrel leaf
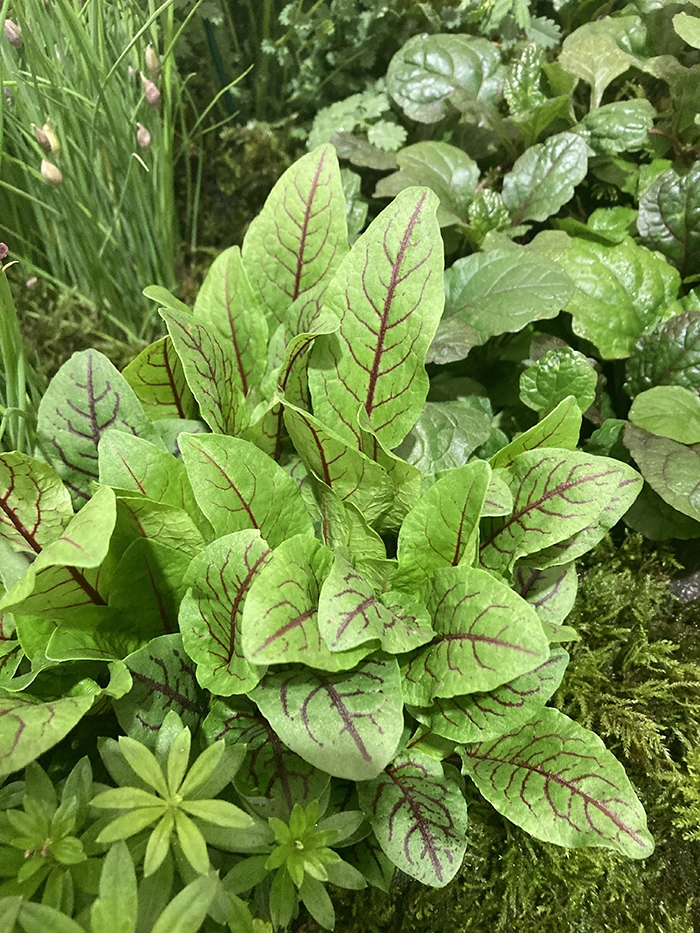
(669, 411)
(85, 398)
(138, 517)
(280, 615)
(558, 782)
(501, 291)
(669, 218)
(447, 433)
(556, 495)
(550, 592)
(668, 356)
(237, 486)
(35, 506)
(449, 171)
(620, 291)
(406, 479)
(351, 475)
(29, 726)
(212, 372)
(544, 177)
(670, 468)
(441, 530)
(419, 817)
(349, 613)
(618, 127)
(486, 636)
(560, 428)
(346, 724)
(499, 498)
(479, 717)
(300, 236)
(227, 303)
(272, 777)
(431, 72)
(163, 680)
(158, 380)
(388, 296)
(342, 526)
(554, 377)
(210, 616)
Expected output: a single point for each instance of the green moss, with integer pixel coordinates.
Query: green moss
(635, 679)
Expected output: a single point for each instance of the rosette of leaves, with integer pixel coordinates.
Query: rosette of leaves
(251, 548)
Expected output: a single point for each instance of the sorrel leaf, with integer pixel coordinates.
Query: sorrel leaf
(550, 592)
(219, 580)
(479, 717)
(419, 817)
(670, 468)
(558, 782)
(35, 506)
(237, 486)
(485, 636)
(300, 236)
(669, 218)
(138, 517)
(348, 725)
(158, 380)
(544, 177)
(85, 398)
(668, 356)
(560, 428)
(388, 296)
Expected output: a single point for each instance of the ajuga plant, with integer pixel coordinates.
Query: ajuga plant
(226, 531)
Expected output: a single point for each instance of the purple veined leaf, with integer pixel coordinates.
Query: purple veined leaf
(11, 652)
(419, 816)
(479, 717)
(558, 782)
(238, 486)
(550, 592)
(29, 726)
(350, 614)
(85, 398)
(499, 498)
(35, 506)
(388, 294)
(227, 304)
(138, 517)
(486, 635)
(219, 580)
(66, 575)
(211, 372)
(560, 428)
(300, 237)
(351, 475)
(557, 494)
(135, 465)
(280, 615)
(163, 679)
(158, 380)
(272, 778)
(442, 529)
(347, 724)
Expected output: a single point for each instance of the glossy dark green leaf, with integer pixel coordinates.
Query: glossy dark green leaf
(543, 179)
(670, 468)
(669, 218)
(670, 355)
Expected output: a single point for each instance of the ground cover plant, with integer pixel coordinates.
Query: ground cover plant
(219, 547)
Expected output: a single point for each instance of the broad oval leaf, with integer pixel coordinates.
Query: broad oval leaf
(447, 433)
(558, 782)
(544, 177)
(668, 411)
(346, 724)
(618, 127)
(669, 218)
(158, 380)
(555, 376)
(671, 469)
(35, 506)
(419, 816)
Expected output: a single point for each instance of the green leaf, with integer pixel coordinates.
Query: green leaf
(138, 517)
(220, 812)
(227, 304)
(501, 292)
(419, 817)
(349, 613)
(387, 135)
(115, 910)
(668, 356)
(219, 580)
(126, 798)
(688, 28)
(442, 529)
(558, 782)
(35, 506)
(560, 428)
(557, 494)
(188, 909)
(38, 918)
(447, 433)
(670, 468)
(158, 844)
(486, 636)
(595, 58)
(355, 205)
(554, 377)
(346, 724)
(144, 764)
(669, 411)
(202, 770)
(448, 171)
(237, 486)
(345, 875)
(85, 398)
(282, 899)
(123, 827)
(620, 127)
(300, 237)
(315, 898)
(550, 592)
(432, 72)
(158, 380)
(388, 296)
(479, 717)
(522, 88)
(192, 842)
(669, 217)
(543, 179)
(620, 291)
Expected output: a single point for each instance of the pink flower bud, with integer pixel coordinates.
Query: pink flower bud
(51, 174)
(152, 62)
(42, 138)
(3, 251)
(32, 283)
(143, 137)
(151, 91)
(13, 33)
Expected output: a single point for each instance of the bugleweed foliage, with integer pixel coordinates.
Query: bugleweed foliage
(223, 541)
